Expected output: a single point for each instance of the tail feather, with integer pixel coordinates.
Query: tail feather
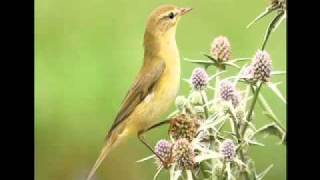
(110, 144)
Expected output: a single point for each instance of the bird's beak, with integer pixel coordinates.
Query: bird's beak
(184, 11)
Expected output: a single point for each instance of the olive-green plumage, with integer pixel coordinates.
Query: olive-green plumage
(156, 84)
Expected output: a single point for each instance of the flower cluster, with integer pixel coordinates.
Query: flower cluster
(260, 68)
(227, 149)
(199, 141)
(221, 49)
(199, 79)
(183, 126)
(229, 93)
(183, 154)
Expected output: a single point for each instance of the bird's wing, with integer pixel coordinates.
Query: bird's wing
(142, 86)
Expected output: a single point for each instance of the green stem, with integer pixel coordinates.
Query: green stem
(256, 93)
(239, 137)
(222, 170)
(216, 92)
(205, 103)
(203, 167)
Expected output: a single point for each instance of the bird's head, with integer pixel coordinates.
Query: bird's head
(163, 20)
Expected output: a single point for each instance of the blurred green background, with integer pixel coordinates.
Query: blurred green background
(87, 54)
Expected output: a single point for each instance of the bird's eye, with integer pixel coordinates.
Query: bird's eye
(171, 15)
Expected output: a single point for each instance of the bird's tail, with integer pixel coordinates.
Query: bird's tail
(109, 145)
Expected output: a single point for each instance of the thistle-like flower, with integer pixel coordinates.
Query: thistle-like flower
(183, 126)
(228, 150)
(221, 49)
(229, 93)
(183, 154)
(261, 66)
(199, 79)
(163, 149)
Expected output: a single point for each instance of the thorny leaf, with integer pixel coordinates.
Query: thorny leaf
(215, 75)
(157, 173)
(267, 11)
(278, 72)
(239, 59)
(201, 62)
(271, 129)
(268, 111)
(263, 173)
(231, 64)
(275, 89)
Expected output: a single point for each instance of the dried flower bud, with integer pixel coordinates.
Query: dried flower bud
(183, 155)
(228, 150)
(261, 64)
(199, 79)
(163, 149)
(183, 126)
(180, 102)
(221, 49)
(229, 93)
(196, 98)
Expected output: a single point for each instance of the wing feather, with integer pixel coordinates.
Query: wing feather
(142, 86)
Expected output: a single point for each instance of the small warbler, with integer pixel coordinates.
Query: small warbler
(156, 84)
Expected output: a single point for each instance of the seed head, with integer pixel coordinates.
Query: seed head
(221, 49)
(183, 155)
(228, 150)
(199, 79)
(183, 126)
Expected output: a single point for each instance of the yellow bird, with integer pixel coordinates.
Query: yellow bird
(156, 84)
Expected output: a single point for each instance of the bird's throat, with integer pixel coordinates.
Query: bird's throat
(161, 45)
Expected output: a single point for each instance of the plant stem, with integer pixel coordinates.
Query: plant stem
(270, 29)
(216, 92)
(222, 170)
(256, 93)
(205, 103)
(239, 137)
(204, 97)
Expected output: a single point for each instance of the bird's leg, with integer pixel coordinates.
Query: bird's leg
(157, 125)
(142, 139)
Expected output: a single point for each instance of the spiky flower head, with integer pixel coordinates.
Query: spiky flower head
(180, 102)
(183, 126)
(221, 49)
(183, 154)
(229, 93)
(261, 66)
(228, 150)
(163, 149)
(199, 79)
